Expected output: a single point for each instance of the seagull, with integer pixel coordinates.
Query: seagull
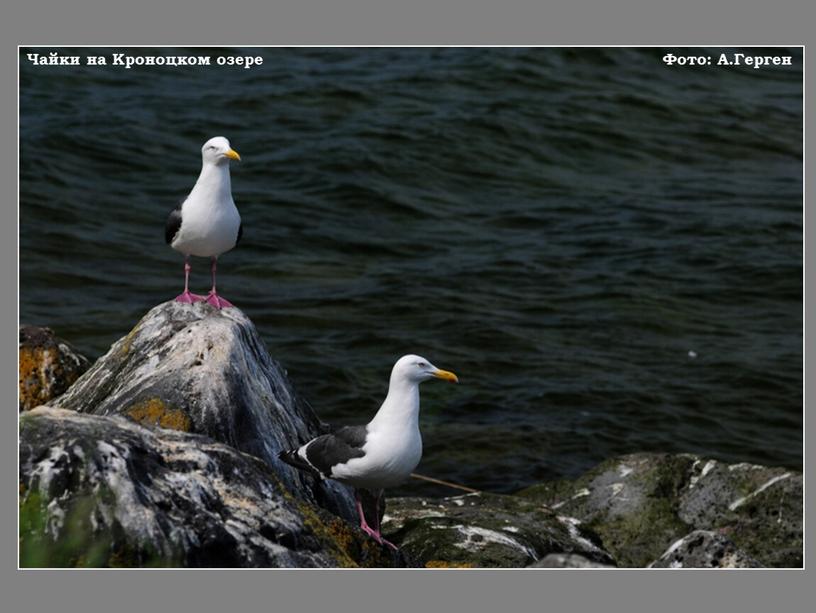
(206, 223)
(382, 453)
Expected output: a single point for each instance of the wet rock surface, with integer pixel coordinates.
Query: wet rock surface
(484, 530)
(104, 491)
(48, 366)
(198, 369)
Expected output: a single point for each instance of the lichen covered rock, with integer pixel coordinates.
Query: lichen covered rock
(640, 504)
(630, 502)
(104, 491)
(759, 508)
(198, 369)
(48, 366)
(484, 530)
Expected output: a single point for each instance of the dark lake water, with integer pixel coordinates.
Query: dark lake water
(560, 227)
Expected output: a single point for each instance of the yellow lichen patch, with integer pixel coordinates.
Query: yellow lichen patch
(154, 412)
(336, 533)
(341, 538)
(329, 534)
(42, 376)
(341, 533)
(444, 564)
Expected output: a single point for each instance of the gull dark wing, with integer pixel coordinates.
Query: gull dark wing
(328, 450)
(337, 448)
(172, 225)
(354, 436)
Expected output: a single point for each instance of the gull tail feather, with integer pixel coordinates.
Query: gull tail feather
(292, 458)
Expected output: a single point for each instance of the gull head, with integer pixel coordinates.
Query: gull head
(417, 369)
(217, 151)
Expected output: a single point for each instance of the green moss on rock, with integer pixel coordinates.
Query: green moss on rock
(640, 504)
(63, 535)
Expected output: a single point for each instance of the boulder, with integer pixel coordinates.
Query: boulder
(630, 502)
(641, 504)
(759, 508)
(484, 530)
(704, 549)
(48, 366)
(197, 369)
(106, 491)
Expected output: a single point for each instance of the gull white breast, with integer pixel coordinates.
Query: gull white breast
(206, 223)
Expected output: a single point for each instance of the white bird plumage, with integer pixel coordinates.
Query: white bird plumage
(210, 219)
(207, 222)
(393, 445)
(382, 453)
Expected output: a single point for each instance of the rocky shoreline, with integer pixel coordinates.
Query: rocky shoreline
(164, 453)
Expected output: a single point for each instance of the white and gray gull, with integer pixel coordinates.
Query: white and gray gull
(206, 223)
(382, 453)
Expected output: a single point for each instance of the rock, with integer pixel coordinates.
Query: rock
(567, 560)
(48, 366)
(629, 501)
(757, 507)
(640, 504)
(147, 459)
(484, 530)
(704, 549)
(198, 369)
(105, 491)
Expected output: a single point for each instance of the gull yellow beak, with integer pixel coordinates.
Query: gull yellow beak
(233, 155)
(447, 376)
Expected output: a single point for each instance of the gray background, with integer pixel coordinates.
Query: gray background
(512, 22)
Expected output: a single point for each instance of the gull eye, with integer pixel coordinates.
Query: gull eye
(422, 364)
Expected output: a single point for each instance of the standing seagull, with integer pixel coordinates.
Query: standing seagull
(378, 455)
(206, 223)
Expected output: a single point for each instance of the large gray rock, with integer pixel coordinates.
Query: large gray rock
(484, 530)
(629, 501)
(104, 491)
(198, 369)
(704, 549)
(759, 508)
(640, 504)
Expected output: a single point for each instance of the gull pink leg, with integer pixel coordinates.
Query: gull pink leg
(187, 296)
(213, 298)
(363, 523)
(383, 541)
